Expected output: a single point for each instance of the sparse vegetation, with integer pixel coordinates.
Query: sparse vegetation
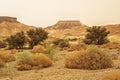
(36, 36)
(92, 58)
(77, 47)
(96, 35)
(28, 61)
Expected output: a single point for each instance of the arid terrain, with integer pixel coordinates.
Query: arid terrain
(58, 71)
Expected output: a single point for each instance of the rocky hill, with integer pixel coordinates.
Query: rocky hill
(10, 26)
(66, 28)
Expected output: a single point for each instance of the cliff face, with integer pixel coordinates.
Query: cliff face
(8, 19)
(68, 24)
(10, 26)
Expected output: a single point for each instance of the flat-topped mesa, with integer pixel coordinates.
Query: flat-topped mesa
(8, 19)
(66, 24)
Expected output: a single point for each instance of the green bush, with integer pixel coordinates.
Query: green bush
(36, 36)
(96, 35)
(16, 41)
(92, 58)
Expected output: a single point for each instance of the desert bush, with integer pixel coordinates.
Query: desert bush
(2, 44)
(77, 47)
(28, 61)
(113, 75)
(61, 43)
(7, 57)
(16, 41)
(24, 57)
(38, 49)
(96, 35)
(36, 36)
(92, 58)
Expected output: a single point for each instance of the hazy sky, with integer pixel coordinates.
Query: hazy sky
(47, 12)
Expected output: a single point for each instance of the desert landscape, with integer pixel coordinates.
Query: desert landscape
(62, 55)
(59, 39)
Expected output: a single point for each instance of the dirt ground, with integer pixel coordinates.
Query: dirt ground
(58, 72)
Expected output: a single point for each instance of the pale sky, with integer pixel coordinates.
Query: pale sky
(43, 13)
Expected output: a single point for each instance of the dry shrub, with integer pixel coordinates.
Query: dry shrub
(77, 47)
(76, 60)
(38, 49)
(113, 75)
(42, 60)
(28, 61)
(7, 57)
(92, 58)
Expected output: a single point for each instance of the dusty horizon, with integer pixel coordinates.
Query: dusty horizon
(43, 13)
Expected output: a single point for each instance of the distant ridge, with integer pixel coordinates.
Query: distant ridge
(66, 28)
(10, 26)
(67, 24)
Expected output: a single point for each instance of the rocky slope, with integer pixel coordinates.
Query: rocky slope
(10, 26)
(114, 29)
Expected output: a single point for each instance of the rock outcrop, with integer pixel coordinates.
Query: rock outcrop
(8, 19)
(10, 26)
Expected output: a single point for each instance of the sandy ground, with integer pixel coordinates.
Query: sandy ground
(58, 72)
